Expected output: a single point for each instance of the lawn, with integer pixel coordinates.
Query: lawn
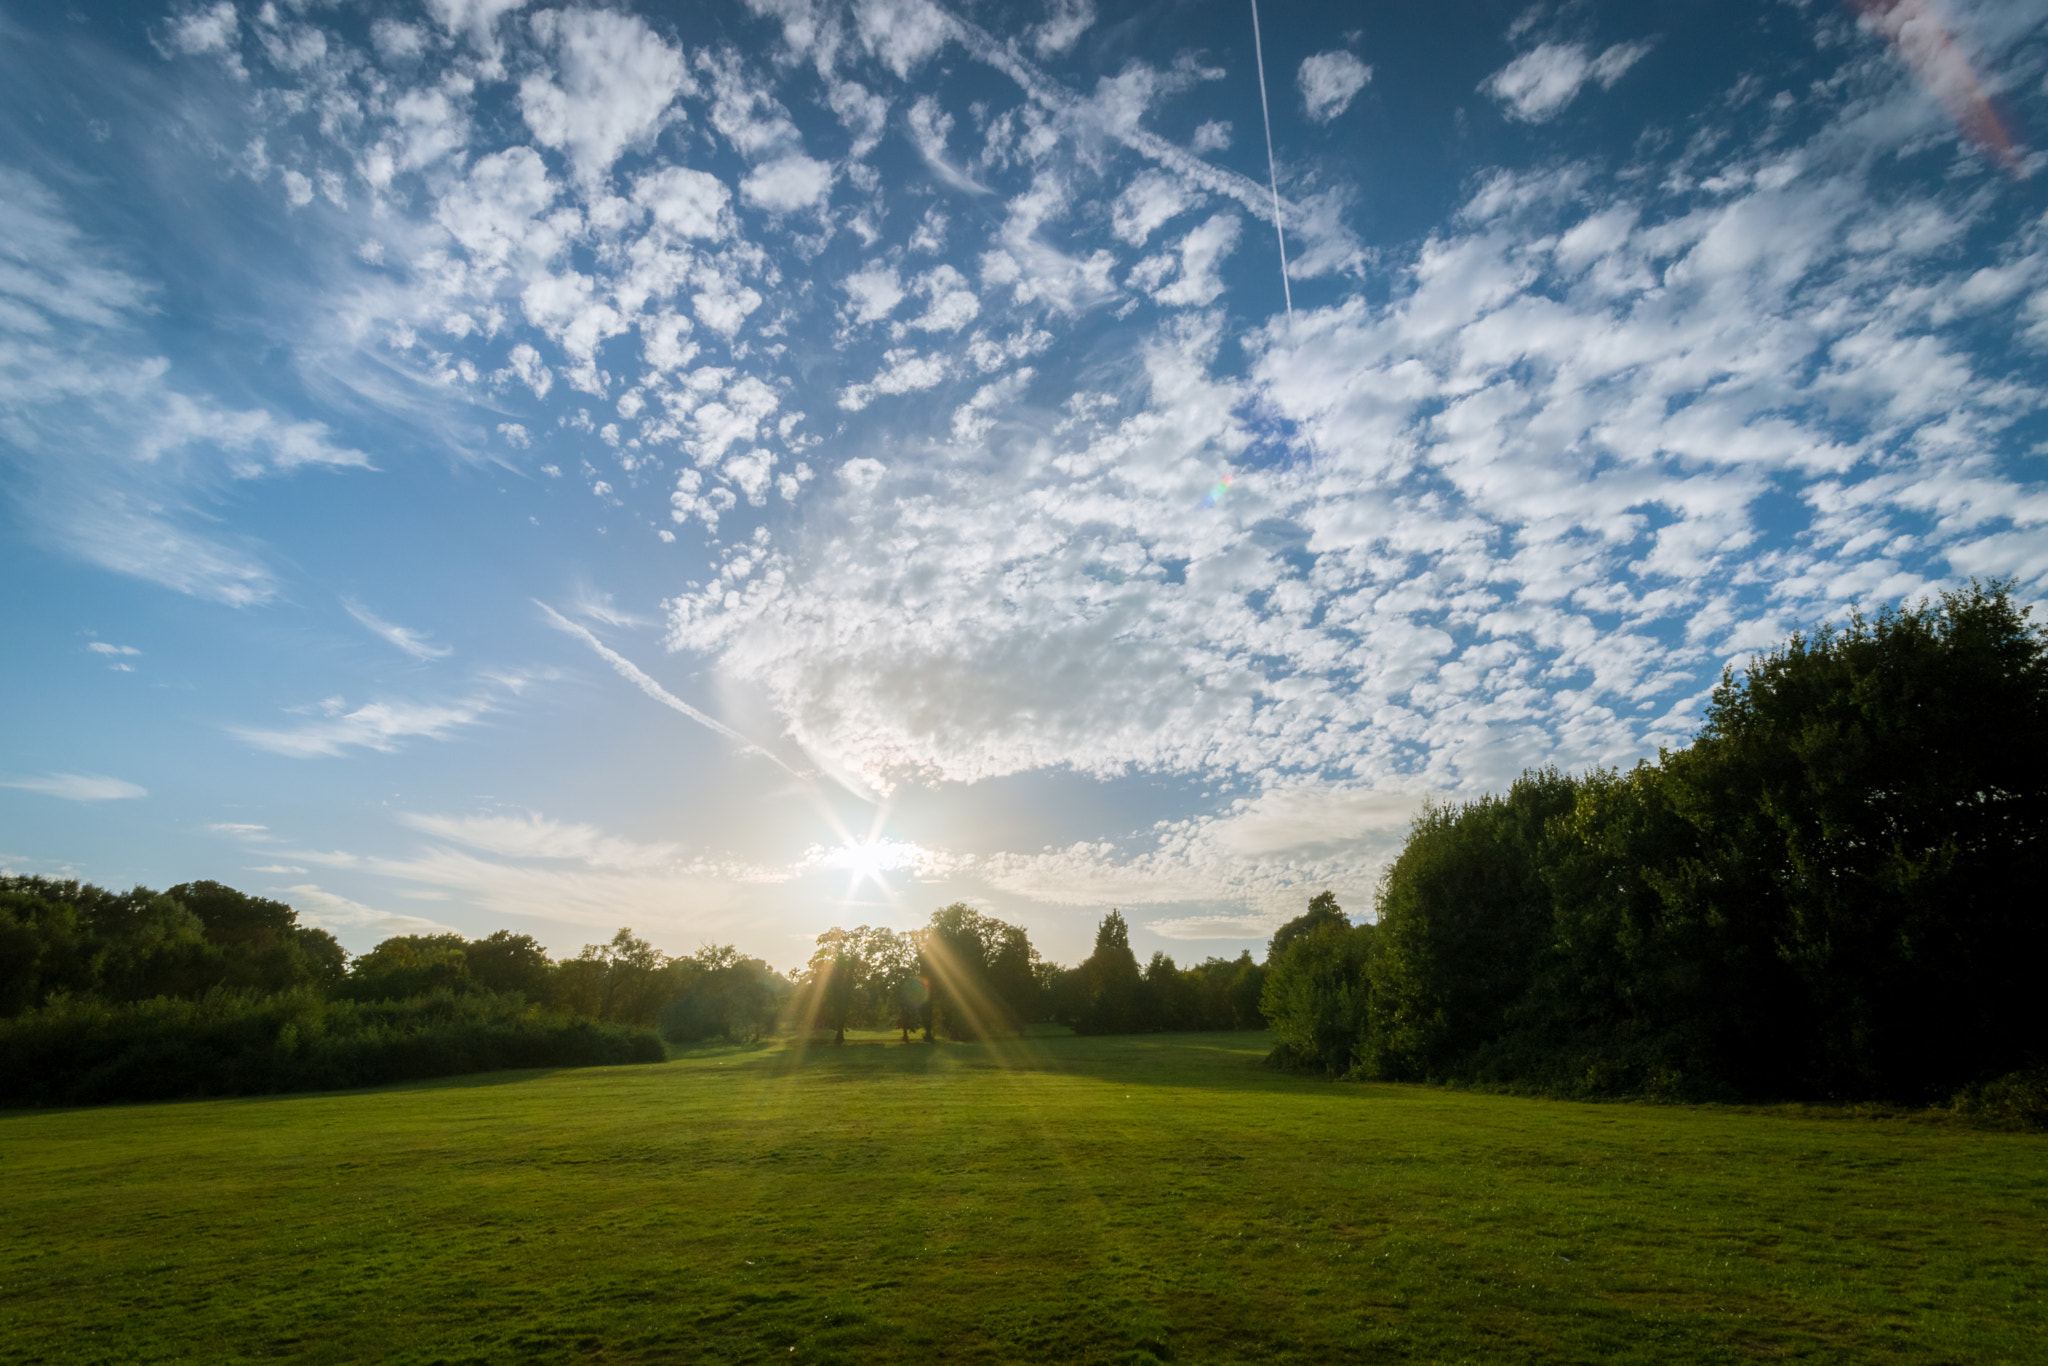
(1050, 1199)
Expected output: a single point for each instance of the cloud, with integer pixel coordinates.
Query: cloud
(872, 292)
(903, 34)
(114, 456)
(1537, 85)
(1201, 251)
(953, 303)
(379, 726)
(530, 836)
(211, 28)
(1152, 200)
(77, 787)
(613, 83)
(410, 641)
(687, 202)
(101, 647)
(331, 911)
(1328, 82)
(788, 184)
(1508, 491)
(1062, 27)
(633, 674)
(534, 867)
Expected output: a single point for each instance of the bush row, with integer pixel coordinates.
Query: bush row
(227, 1043)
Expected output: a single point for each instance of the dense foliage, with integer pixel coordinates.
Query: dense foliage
(203, 990)
(71, 938)
(964, 975)
(1109, 994)
(79, 1051)
(1833, 892)
(967, 975)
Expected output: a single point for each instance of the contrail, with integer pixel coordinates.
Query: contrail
(1272, 171)
(632, 673)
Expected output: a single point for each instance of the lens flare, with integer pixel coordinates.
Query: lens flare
(1916, 33)
(1216, 495)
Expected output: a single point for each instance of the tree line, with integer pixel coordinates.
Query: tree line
(968, 975)
(1833, 892)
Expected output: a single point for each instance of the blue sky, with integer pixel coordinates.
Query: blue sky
(736, 469)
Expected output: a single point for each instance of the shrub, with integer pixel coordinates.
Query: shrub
(77, 1051)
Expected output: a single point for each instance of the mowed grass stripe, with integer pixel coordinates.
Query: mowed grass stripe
(1055, 1198)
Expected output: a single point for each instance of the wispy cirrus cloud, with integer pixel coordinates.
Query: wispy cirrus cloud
(333, 912)
(412, 642)
(77, 787)
(379, 726)
(114, 450)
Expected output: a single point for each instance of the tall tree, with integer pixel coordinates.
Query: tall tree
(1112, 987)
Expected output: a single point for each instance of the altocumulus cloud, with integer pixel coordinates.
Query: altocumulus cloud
(1510, 490)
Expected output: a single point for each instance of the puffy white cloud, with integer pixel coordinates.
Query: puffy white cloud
(751, 474)
(788, 184)
(211, 28)
(863, 113)
(723, 304)
(1200, 253)
(904, 34)
(973, 419)
(953, 303)
(904, 371)
(613, 81)
(1537, 85)
(873, 292)
(398, 41)
(1062, 27)
(1152, 200)
(689, 203)
(1328, 82)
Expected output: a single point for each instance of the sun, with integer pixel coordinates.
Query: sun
(866, 860)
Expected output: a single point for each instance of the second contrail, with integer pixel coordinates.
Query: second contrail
(633, 674)
(1272, 170)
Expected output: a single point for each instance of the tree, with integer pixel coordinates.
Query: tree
(720, 992)
(1322, 910)
(625, 979)
(1883, 790)
(410, 965)
(979, 972)
(1112, 988)
(833, 983)
(263, 947)
(1317, 996)
(83, 940)
(506, 962)
(1464, 912)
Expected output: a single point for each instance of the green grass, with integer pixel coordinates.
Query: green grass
(1050, 1199)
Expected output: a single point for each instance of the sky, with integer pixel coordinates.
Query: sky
(732, 470)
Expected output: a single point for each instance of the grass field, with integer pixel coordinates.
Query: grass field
(1050, 1199)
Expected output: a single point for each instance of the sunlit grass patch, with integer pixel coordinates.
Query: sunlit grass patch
(1049, 1198)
